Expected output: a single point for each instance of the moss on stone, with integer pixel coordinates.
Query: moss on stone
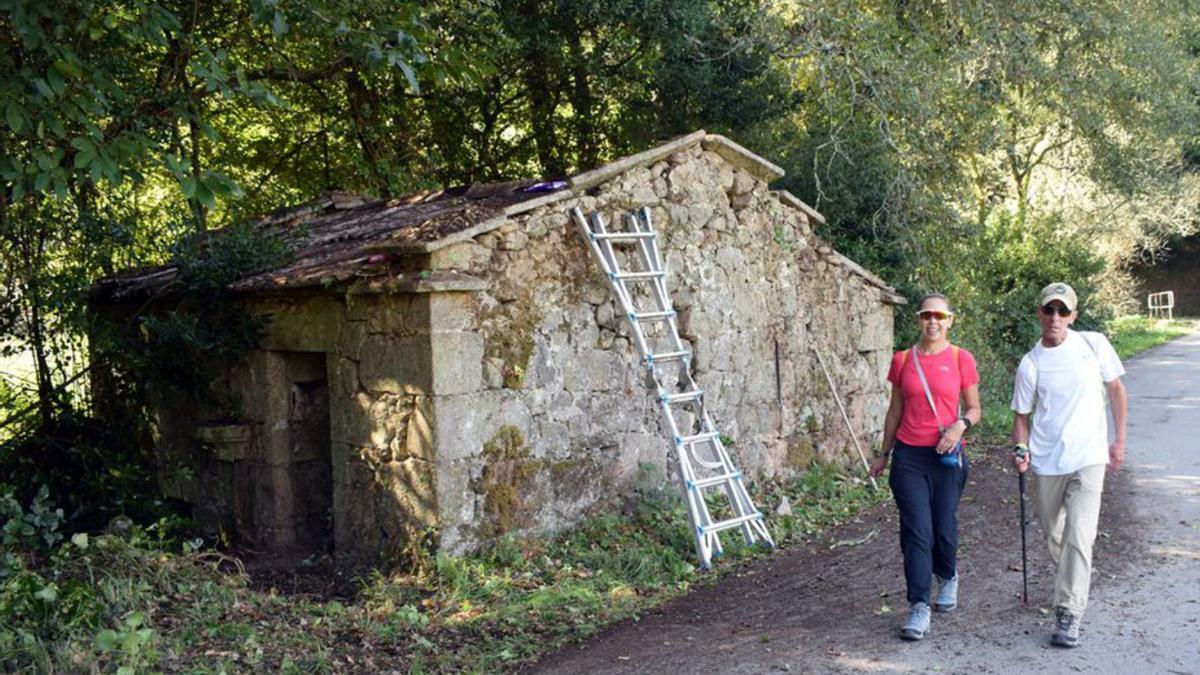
(508, 480)
(513, 342)
(801, 453)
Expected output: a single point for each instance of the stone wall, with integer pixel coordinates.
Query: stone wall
(254, 461)
(562, 419)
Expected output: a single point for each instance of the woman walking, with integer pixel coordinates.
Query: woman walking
(931, 383)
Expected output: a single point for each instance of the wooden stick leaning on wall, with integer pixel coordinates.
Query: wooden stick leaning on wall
(846, 418)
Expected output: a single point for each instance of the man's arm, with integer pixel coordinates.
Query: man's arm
(1020, 436)
(1119, 402)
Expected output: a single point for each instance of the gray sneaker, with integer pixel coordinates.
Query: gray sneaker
(947, 595)
(1066, 628)
(917, 626)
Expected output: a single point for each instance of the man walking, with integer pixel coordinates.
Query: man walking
(1061, 382)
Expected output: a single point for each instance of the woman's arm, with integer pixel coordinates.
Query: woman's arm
(891, 422)
(972, 410)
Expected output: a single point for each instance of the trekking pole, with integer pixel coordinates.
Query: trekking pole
(1020, 451)
(849, 427)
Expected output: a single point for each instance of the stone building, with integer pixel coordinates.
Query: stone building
(450, 365)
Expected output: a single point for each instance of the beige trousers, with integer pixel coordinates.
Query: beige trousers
(1068, 509)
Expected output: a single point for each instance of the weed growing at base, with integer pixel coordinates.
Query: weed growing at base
(133, 603)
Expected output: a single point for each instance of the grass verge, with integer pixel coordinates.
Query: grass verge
(141, 603)
(1131, 335)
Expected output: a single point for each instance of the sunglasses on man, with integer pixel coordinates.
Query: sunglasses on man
(1049, 310)
(930, 314)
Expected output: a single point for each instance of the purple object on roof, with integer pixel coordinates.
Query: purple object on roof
(546, 186)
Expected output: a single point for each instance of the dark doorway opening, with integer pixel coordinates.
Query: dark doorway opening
(310, 468)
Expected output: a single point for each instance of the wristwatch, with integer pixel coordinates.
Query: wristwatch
(967, 421)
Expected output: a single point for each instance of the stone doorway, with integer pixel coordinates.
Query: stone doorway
(309, 462)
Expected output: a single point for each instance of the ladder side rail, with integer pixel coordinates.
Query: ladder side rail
(602, 249)
(651, 254)
(698, 515)
(648, 252)
(738, 498)
(686, 475)
(617, 284)
(643, 221)
(743, 505)
(736, 493)
(652, 258)
(695, 496)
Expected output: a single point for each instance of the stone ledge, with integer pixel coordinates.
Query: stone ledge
(791, 200)
(742, 158)
(589, 179)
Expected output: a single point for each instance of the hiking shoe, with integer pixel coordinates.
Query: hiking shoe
(947, 595)
(1066, 629)
(917, 626)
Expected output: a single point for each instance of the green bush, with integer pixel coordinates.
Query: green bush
(994, 287)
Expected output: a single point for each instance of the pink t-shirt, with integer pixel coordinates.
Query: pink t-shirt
(946, 380)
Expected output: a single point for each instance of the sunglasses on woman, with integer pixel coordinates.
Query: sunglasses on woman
(1049, 310)
(930, 314)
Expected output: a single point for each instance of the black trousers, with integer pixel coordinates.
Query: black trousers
(926, 493)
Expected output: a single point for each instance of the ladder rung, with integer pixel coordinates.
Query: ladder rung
(667, 356)
(651, 316)
(685, 396)
(623, 236)
(714, 480)
(637, 276)
(706, 436)
(728, 524)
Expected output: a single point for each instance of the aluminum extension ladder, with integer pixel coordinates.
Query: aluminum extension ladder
(696, 444)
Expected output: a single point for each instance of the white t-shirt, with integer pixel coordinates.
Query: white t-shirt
(1063, 387)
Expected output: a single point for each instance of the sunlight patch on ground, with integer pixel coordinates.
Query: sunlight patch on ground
(861, 665)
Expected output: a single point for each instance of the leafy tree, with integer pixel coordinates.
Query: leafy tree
(119, 101)
(952, 115)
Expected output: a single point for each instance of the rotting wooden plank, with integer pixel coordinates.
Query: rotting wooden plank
(589, 179)
(742, 158)
(795, 202)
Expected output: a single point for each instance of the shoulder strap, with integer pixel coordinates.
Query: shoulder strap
(925, 384)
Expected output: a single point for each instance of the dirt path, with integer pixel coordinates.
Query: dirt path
(834, 606)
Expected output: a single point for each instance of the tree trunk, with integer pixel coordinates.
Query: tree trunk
(541, 94)
(198, 210)
(581, 101)
(47, 402)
